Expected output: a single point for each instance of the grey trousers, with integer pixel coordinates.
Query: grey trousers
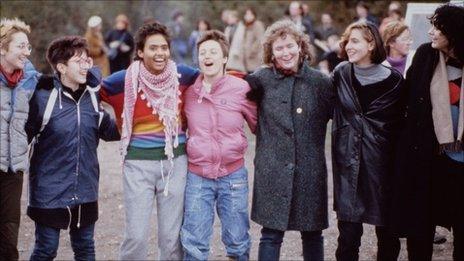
(143, 183)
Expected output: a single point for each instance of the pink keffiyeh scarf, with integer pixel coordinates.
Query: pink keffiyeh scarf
(162, 94)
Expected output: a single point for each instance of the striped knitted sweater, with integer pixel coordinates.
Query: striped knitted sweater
(147, 140)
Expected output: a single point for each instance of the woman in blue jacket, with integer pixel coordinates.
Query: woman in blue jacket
(67, 122)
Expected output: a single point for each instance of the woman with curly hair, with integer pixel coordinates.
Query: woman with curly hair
(294, 106)
(429, 169)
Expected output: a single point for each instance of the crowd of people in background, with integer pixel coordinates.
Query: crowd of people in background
(397, 149)
(116, 46)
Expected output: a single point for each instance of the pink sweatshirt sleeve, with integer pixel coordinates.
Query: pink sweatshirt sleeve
(249, 111)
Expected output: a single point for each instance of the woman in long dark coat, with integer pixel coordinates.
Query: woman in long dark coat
(294, 106)
(429, 170)
(366, 123)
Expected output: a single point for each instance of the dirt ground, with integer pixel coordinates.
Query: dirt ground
(109, 227)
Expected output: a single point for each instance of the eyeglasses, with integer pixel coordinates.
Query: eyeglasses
(85, 62)
(24, 46)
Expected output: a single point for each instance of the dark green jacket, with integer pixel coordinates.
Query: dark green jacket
(290, 184)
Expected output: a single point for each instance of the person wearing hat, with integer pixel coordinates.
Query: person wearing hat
(97, 48)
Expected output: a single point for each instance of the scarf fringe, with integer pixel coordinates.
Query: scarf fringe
(456, 146)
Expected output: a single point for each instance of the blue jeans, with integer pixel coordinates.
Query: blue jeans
(271, 240)
(230, 193)
(47, 240)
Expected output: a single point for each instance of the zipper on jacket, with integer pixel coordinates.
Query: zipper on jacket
(75, 197)
(78, 142)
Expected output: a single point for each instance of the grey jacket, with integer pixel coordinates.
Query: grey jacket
(290, 184)
(14, 109)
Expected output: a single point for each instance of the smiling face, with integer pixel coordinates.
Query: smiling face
(155, 53)
(402, 43)
(439, 40)
(358, 48)
(14, 56)
(211, 59)
(286, 52)
(74, 71)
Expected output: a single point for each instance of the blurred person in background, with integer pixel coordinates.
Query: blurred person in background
(179, 37)
(224, 17)
(294, 105)
(202, 26)
(363, 14)
(120, 43)
(331, 58)
(245, 49)
(96, 44)
(394, 14)
(397, 40)
(18, 80)
(326, 28)
(232, 21)
(322, 32)
(296, 14)
(430, 162)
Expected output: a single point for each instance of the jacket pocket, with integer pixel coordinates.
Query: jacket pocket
(233, 148)
(341, 145)
(19, 144)
(200, 151)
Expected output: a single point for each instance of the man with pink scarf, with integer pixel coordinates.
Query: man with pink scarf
(152, 142)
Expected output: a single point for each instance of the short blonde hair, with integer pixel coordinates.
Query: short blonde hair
(392, 31)
(8, 27)
(284, 28)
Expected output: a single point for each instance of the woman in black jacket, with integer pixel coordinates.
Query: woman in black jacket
(429, 169)
(365, 124)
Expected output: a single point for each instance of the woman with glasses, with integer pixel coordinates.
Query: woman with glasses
(365, 125)
(67, 122)
(17, 83)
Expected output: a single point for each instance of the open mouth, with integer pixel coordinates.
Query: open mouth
(208, 64)
(159, 60)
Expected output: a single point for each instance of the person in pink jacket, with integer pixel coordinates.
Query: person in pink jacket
(216, 109)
